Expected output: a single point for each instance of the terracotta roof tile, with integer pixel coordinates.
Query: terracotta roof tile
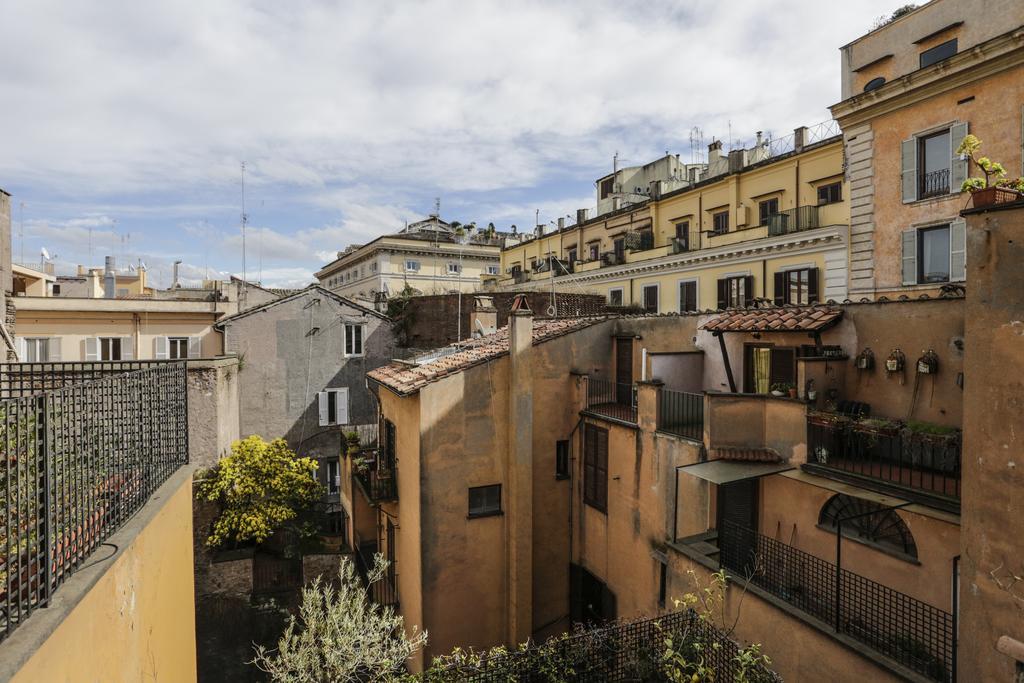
(775, 319)
(406, 378)
(746, 454)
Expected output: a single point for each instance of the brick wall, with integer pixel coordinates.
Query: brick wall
(431, 320)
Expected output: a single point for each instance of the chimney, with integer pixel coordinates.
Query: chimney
(714, 152)
(737, 160)
(519, 475)
(109, 279)
(561, 223)
(483, 319)
(758, 143)
(81, 271)
(581, 215)
(174, 277)
(799, 138)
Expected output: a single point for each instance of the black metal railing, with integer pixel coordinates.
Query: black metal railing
(22, 379)
(933, 184)
(78, 461)
(614, 653)
(889, 452)
(681, 413)
(639, 240)
(911, 632)
(611, 399)
(384, 591)
(686, 242)
(379, 485)
(792, 220)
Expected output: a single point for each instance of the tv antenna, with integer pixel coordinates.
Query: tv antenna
(245, 219)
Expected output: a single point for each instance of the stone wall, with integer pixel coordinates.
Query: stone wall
(212, 409)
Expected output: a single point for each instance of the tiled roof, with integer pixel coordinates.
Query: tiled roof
(746, 454)
(775, 319)
(406, 378)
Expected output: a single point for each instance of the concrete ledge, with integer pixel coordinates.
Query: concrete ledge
(44, 621)
(219, 362)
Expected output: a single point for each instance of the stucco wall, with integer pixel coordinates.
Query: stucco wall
(213, 407)
(137, 622)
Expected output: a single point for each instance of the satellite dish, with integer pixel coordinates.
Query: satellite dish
(142, 264)
(46, 254)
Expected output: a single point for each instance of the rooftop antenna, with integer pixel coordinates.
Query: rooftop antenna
(730, 133)
(536, 218)
(245, 219)
(260, 279)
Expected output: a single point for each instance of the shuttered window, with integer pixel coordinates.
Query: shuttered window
(595, 467)
(332, 406)
(735, 292)
(651, 298)
(687, 296)
(935, 254)
(796, 287)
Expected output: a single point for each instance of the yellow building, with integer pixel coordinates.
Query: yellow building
(430, 256)
(768, 222)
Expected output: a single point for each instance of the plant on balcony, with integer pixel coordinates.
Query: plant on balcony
(261, 487)
(993, 187)
(780, 389)
(352, 443)
(341, 635)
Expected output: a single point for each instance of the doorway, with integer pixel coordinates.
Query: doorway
(737, 522)
(624, 370)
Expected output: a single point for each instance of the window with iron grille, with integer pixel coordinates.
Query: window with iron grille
(561, 460)
(869, 523)
(595, 467)
(485, 500)
(353, 339)
(830, 194)
(934, 158)
(720, 222)
(768, 207)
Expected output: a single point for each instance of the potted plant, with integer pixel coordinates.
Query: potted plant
(779, 389)
(994, 187)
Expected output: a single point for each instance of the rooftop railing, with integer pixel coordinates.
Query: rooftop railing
(793, 220)
(79, 459)
(681, 413)
(21, 379)
(611, 399)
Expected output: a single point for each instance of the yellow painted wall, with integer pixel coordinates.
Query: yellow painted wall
(137, 623)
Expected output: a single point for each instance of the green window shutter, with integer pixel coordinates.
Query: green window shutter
(958, 250)
(910, 257)
(957, 167)
(908, 166)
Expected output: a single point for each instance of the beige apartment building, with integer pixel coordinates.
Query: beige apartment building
(768, 222)
(912, 90)
(430, 256)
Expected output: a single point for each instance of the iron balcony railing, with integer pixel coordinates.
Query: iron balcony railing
(681, 413)
(78, 461)
(888, 452)
(792, 220)
(611, 399)
(686, 242)
(933, 184)
(906, 630)
(384, 591)
(379, 485)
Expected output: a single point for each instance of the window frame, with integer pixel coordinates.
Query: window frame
(331, 399)
(37, 343)
(803, 282)
(922, 158)
(696, 294)
(730, 280)
(762, 214)
(483, 511)
(105, 346)
(176, 341)
(921, 232)
(562, 460)
(622, 298)
(715, 227)
(413, 269)
(657, 297)
(333, 478)
(594, 250)
(493, 270)
(829, 199)
(595, 496)
(351, 343)
(454, 268)
(929, 55)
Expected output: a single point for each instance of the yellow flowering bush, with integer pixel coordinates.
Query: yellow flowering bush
(260, 487)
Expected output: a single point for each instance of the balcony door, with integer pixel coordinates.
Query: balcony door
(737, 523)
(765, 366)
(624, 370)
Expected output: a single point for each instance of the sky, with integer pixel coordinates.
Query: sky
(125, 125)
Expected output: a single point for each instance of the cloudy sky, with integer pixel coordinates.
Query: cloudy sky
(124, 124)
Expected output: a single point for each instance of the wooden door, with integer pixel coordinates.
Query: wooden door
(738, 524)
(624, 370)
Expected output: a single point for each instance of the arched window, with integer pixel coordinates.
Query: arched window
(874, 84)
(869, 523)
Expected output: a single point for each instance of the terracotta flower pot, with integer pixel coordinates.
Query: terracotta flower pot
(989, 196)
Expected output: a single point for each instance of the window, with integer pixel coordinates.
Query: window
(830, 194)
(337, 524)
(353, 339)
(607, 186)
(768, 207)
(736, 291)
(333, 477)
(561, 460)
(798, 287)
(485, 500)
(122, 292)
(938, 53)
(110, 348)
(720, 222)
(619, 247)
(615, 297)
(35, 350)
(571, 255)
(177, 347)
(869, 523)
(492, 270)
(683, 236)
(687, 296)
(765, 366)
(454, 268)
(333, 407)
(595, 251)
(595, 467)
(651, 298)
(56, 290)
(412, 265)
(934, 157)
(373, 267)
(935, 254)
(874, 84)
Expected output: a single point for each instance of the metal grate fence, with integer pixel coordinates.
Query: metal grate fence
(681, 413)
(904, 629)
(611, 399)
(78, 461)
(618, 652)
(23, 379)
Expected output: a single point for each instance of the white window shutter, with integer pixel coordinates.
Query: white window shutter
(53, 349)
(957, 166)
(342, 405)
(127, 348)
(194, 347)
(22, 347)
(958, 250)
(321, 397)
(92, 348)
(908, 167)
(910, 257)
(160, 348)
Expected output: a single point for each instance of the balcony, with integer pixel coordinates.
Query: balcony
(913, 633)
(681, 413)
(933, 184)
(792, 220)
(639, 240)
(378, 485)
(612, 400)
(905, 459)
(384, 591)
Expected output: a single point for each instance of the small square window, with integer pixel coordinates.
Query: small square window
(768, 207)
(720, 222)
(454, 268)
(615, 297)
(938, 53)
(412, 265)
(830, 194)
(485, 500)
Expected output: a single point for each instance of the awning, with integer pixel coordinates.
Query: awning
(775, 319)
(728, 471)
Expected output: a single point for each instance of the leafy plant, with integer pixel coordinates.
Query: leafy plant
(260, 487)
(994, 175)
(341, 635)
(920, 427)
(784, 387)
